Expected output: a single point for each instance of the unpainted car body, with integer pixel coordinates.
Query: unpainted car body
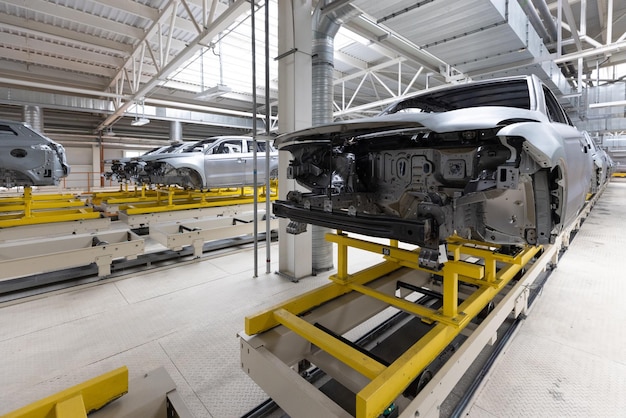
(28, 158)
(223, 161)
(497, 161)
(603, 165)
(129, 168)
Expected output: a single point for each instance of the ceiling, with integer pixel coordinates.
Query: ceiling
(96, 65)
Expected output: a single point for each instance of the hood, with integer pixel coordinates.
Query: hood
(451, 121)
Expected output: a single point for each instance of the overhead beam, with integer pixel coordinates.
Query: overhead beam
(569, 16)
(59, 63)
(66, 35)
(367, 28)
(350, 60)
(364, 71)
(67, 13)
(74, 54)
(131, 7)
(218, 25)
(591, 52)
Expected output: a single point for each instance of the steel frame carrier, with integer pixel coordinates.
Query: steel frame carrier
(369, 291)
(34, 209)
(276, 340)
(173, 198)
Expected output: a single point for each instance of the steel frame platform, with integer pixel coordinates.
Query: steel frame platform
(146, 200)
(37, 255)
(34, 209)
(277, 341)
(195, 232)
(352, 298)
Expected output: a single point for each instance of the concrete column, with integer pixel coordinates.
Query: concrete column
(294, 110)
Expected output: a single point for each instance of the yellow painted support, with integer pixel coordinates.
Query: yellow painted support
(342, 261)
(452, 270)
(352, 357)
(173, 198)
(390, 252)
(30, 209)
(405, 305)
(388, 383)
(72, 407)
(265, 320)
(382, 391)
(78, 400)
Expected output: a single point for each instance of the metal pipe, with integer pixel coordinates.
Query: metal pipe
(591, 52)
(268, 257)
(546, 16)
(254, 156)
(535, 20)
(609, 22)
(326, 23)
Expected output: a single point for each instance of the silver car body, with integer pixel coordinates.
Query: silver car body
(603, 165)
(28, 158)
(128, 168)
(224, 161)
(497, 161)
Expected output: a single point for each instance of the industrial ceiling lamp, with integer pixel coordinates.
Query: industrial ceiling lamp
(213, 92)
(220, 89)
(140, 121)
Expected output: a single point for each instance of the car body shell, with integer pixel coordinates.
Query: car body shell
(28, 158)
(128, 168)
(495, 160)
(224, 161)
(603, 165)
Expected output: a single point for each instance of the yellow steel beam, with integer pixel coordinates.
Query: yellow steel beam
(265, 320)
(90, 395)
(384, 389)
(360, 362)
(388, 383)
(405, 305)
(73, 407)
(39, 205)
(381, 392)
(451, 271)
(408, 258)
(36, 198)
(47, 217)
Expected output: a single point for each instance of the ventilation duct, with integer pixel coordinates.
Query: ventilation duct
(33, 115)
(176, 131)
(325, 27)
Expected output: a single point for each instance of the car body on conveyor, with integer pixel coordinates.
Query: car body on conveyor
(497, 161)
(221, 161)
(27, 158)
(128, 168)
(603, 165)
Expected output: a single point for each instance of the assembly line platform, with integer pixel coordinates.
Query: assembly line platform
(565, 359)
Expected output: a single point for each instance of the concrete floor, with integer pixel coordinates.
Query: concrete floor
(565, 360)
(185, 318)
